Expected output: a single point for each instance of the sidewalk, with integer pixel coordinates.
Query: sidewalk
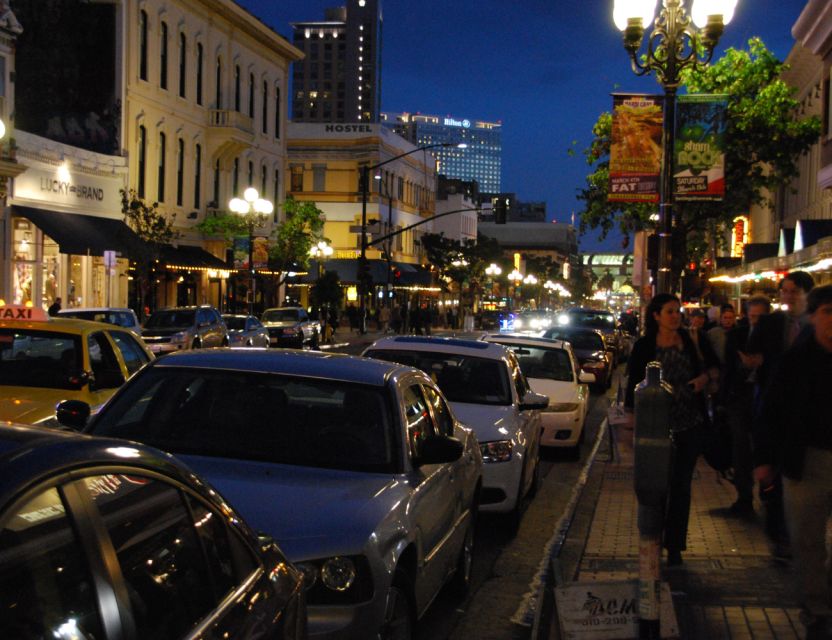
(728, 587)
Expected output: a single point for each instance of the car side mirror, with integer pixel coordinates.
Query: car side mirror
(532, 401)
(439, 450)
(585, 376)
(73, 414)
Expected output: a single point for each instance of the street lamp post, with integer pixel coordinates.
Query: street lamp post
(362, 261)
(673, 45)
(252, 206)
(320, 252)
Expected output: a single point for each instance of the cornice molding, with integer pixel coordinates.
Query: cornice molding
(814, 27)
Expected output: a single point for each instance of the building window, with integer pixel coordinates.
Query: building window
(236, 87)
(218, 100)
(235, 178)
(143, 45)
(250, 182)
(217, 184)
(197, 176)
(142, 160)
(183, 49)
(265, 107)
(263, 180)
(199, 73)
(251, 96)
(277, 112)
(163, 56)
(277, 194)
(180, 172)
(319, 177)
(160, 196)
(297, 178)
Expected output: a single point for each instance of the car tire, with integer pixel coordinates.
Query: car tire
(224, 342)
(313, 342)
(398, 613)
(461, 581)
(196, 344)
(249, 343)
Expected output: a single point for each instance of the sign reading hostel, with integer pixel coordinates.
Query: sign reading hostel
(635, 148)
(699, 147)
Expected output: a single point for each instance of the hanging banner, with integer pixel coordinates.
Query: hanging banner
(260, 253)
(699, 147)
(635, 148)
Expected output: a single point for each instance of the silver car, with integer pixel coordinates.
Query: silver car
(245, 331)
(181, 328)
(358, 468)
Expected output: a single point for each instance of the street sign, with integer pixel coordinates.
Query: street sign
(110, 259)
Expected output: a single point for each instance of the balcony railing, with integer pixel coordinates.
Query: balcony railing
(228, 118)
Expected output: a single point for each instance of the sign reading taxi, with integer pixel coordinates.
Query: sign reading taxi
(18, 312)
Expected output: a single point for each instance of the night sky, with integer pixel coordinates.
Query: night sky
(545, 68)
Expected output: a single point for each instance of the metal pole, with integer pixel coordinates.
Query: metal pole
(251, 267)
(663, 284)
(388, 249)
(362, 262)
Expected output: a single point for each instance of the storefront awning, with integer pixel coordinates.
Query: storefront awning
(347, 270)
(190, 256)
(82, 235)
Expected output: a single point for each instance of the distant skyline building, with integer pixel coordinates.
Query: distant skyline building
(480, 161)
(339, 80)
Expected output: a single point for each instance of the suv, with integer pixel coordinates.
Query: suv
(122, 317)
(291, 327)
(180, 328)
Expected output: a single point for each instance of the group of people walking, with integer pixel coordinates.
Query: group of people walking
(763, 377)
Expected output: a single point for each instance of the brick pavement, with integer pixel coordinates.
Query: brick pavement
(729, 586)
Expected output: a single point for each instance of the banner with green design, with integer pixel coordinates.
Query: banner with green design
(699, 147)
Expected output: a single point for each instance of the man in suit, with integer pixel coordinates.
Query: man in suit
(773, 336)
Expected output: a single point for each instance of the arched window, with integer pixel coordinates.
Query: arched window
(250, 182)
(197, 176)
(251, 96)
(235, 182)
(183, 63)
(277, 111)
(218, 100)
(265, 107)
(199, 73)
(160, 196)
(217, 183)
(263, 180)
(236, 87)
(163, 56)
(143, 45)
(142, 168)
(276, 195)
(180, 172)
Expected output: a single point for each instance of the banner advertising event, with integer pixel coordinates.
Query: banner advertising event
(635, 148)
(699, 147)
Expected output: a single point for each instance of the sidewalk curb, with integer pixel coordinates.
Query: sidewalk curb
(537, 612)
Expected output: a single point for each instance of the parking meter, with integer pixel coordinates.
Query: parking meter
(651, 477)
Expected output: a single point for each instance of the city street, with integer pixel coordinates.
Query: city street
(505, 561)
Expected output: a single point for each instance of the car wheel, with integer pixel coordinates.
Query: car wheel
(224, 342)
(249, 343)
(196, 344)
(398, 614)
(461, 581)
(313, 343)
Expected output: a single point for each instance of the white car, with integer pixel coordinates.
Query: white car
(488, 392)
(551, 367)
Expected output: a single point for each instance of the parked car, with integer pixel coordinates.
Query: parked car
(291, 327)
(487, 390)
(496, 319)
(44, 360)
(123, 317)
(598, 319)
(245, 331)
(181, 328)
(589, 347)
(535, 320)
(111, 540)
(552, 370)
(357, 467)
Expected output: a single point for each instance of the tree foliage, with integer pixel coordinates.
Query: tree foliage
(764, 139)
(461, 262)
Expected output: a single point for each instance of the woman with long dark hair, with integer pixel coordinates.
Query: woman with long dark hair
(687, 372)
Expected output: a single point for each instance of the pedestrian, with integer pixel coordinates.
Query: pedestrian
(737, 397)
(416, 319)
(666, 342)
(396, 319)
(696, 328)
(773, 336)
(716, 335)
(54, 307)
(794, 439)
(384, 319)
(333, 322)
(352, 316)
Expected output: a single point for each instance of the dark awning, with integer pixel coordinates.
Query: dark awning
(190, 256)
(413, 274)
(79, 234)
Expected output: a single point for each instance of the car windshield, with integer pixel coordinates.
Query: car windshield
(255, 416)
(120, 318)
(280, 315)
(235, 323)
(462, 378)
(48, 359)
(170, 319)
(543, 362)
(603, 320)
(578, 339)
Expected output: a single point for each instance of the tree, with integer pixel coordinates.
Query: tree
(154, 229)
(463, 262)
(327, 291)
(764, 139)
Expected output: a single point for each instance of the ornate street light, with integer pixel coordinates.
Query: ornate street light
(252, 206)
(320, 252)
(673, 45)
(363, 272)
(493, 270)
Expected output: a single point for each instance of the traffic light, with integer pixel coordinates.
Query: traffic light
(396, 273)
(500, 207)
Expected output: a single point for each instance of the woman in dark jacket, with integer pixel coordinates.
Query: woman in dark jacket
(682, 367)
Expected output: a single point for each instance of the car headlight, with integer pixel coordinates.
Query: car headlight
(338, 573)
(337, 580)
(518, 323)
(496, 451)
(563, 319)
(563, 407)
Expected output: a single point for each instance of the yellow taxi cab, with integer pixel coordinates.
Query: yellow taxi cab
(44, 360)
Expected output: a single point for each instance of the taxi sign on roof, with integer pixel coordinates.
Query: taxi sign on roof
(19, 312)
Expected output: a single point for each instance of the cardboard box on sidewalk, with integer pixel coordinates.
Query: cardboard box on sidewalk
(607, 611)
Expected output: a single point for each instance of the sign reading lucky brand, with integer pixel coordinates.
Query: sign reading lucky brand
(699, 148)
(636, 148)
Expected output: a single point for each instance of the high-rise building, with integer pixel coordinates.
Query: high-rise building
(481, 160)
(339, 80)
